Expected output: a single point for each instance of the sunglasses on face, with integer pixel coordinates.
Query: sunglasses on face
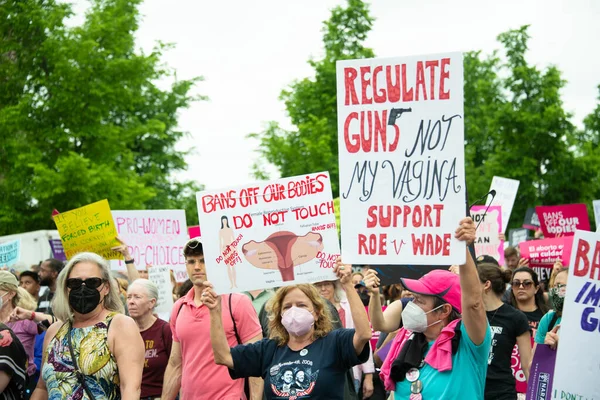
(93, 283)
(525, 284)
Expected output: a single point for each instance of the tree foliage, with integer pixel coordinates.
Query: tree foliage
(81, 116)
(515, 123)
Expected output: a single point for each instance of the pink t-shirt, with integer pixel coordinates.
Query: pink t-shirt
(201, 378)
(26, 331)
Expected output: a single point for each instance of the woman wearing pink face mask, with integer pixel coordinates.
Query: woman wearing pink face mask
(303, 357)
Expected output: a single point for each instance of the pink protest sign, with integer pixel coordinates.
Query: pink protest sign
(194, 231)
(489, 226)
(563, 220)
(542, 254)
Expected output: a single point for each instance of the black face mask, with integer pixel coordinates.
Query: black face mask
(84, 299)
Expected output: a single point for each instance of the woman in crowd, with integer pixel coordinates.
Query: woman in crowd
(547, 332)
(527, 296)
(12, 295)
(439, 353)
(142, 296)
(509, 326)
(363, 373)
(303, 356)
(97, 352)
(13, 361)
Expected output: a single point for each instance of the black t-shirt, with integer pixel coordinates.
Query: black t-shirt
(45, 302)
(13, 361)
(506, 323)
(534, 317)
(315, 372)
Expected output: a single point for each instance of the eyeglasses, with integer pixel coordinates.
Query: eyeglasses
(93, 283)
(525, 284)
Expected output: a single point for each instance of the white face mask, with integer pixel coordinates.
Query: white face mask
(415, 319)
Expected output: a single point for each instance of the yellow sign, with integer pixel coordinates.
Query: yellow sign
(89, 228)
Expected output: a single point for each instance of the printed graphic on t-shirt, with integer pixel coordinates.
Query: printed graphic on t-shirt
(496, 330)
(151, 352)
(293, 380)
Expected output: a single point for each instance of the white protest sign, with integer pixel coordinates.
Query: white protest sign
(161, 277)
(489, 223)
(269, 234)
(597, 214)
(506, 193)
(401, 155)
(578, 358)
(154, 237)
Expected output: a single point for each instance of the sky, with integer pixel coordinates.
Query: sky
(248, 52)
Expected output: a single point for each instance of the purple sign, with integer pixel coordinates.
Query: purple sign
(541, 374)
(57, 249)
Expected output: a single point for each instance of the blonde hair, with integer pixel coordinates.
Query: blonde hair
(22, 298)
(278, 332)
(60, 304)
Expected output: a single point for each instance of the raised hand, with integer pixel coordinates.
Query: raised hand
(551, 338)
(372, 281)
(210, 298)
(466, 231)
(123, 249)
(343, 271)
(523, 262)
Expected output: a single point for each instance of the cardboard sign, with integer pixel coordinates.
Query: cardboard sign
(58, 251)
(88, 228)
(516, 236)
(531, 221)
(541, 374)
(563, 220)
(578, 354)
(506, 193)
(489, 226)
(154, 237)
(597, 214)
(269, 234)
(401, 155)
(10, 253)
(161, 277)
(542, 254)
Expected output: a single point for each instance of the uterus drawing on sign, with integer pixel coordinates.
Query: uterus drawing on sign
(283, 250)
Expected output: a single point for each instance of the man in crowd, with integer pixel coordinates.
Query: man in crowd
(48, 274)
(30, 281)
(192, 368)
(511, 258)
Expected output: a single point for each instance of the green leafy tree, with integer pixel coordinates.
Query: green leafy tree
(311, 102)
(81, 117)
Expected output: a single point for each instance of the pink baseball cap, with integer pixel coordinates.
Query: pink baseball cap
(440, 283)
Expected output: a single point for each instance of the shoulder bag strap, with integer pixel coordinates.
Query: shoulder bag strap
(78, 373)
(237, 335)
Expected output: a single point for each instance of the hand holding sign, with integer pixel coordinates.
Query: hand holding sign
(343, 272)
(210, 298)
(552, 337)
(371, 281)
(123, 249)
(523, 262)
(466, 231)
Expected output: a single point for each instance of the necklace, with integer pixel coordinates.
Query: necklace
(494, 316)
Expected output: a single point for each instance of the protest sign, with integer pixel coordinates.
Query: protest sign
(563, 220)
(516, 236)
(517, 368)
(541, 373)
(401, 159)
(597, 214)
(531, 221)
(542, 254)
(57, 249)
(489, 226)
(154, 237)
(506, 193)
(194, 231)
(10, 253)
(88, 228)
(578, 354)
(269, 234)
(161, 277)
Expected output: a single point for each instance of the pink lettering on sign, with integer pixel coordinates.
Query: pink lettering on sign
(563, 220)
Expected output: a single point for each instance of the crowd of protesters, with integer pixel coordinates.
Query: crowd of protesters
(82, 331)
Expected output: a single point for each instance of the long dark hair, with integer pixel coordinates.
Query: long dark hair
(224, 217)
(540, 303)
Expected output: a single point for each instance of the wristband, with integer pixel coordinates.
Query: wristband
(32, 315)
(129, 261)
